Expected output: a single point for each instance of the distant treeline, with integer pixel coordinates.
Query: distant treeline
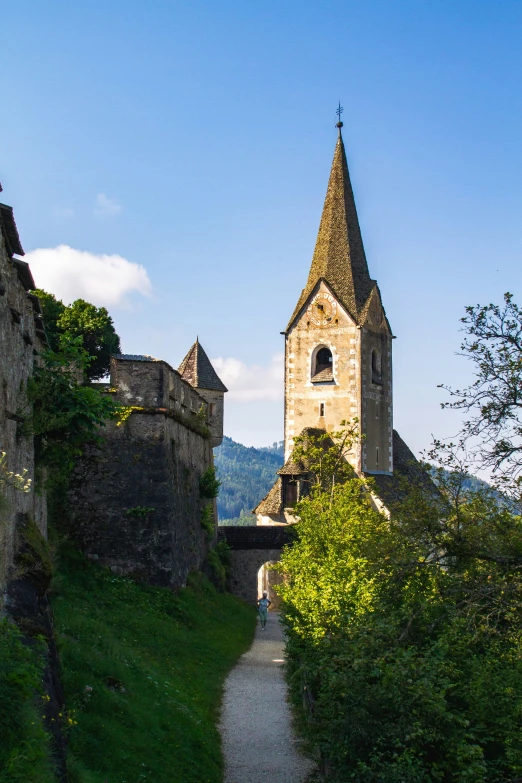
(246, 475)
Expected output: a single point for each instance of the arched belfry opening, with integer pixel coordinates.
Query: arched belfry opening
(322, 365)
(376, 366)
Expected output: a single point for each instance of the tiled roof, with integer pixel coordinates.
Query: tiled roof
(136, 357)
(323, 375)
(292, 468)
(24, 274)
(273, 502)
(407, 472)
(339, 257)
(9, 231)
(198, 371)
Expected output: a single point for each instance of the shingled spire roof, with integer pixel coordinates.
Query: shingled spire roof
(198, 371)
(339, 257)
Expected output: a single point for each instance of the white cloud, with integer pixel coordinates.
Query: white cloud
(251, 382)
(105, 206)
(76, 274)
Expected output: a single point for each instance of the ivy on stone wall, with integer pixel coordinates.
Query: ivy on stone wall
(62, 413)
(209, 484)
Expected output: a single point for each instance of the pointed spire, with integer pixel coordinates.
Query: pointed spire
(339, 257)
(198, 371)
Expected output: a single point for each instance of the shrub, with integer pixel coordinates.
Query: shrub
(404, 635)
(209, 484)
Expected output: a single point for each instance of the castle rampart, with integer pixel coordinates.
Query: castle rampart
(135, 498)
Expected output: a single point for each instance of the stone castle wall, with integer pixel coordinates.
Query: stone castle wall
(135, 502)
(19, 345)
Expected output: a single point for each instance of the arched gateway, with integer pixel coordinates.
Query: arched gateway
(252, 547)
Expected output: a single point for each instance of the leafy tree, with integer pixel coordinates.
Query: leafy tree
(81, 319)
(52, 309)
(324, 456)
(494, 401)
(404, 632)
(65, 414)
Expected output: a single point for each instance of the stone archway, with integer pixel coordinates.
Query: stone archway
(244, 571)
(252, 547)
(267, 580)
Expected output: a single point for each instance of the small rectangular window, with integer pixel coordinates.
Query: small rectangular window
(376, 456)
(376, 410)
(290, 492)
(321, 409)
(212, 408)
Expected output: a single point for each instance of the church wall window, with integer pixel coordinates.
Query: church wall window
(322, 364)
(321, 409)
(377, 456)
(376, 366)
(289, 492)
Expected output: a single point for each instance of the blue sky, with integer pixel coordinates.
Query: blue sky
(194, 142)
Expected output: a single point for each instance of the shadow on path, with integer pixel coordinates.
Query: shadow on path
(258, 742)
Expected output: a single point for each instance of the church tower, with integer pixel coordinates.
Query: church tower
(338, 342)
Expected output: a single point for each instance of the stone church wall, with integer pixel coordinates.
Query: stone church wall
(353, 392)
(19, 344)
(303, 397)
(135, 502)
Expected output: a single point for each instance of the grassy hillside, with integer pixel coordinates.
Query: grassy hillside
(25, 748)
(143, 671)
(246, 475)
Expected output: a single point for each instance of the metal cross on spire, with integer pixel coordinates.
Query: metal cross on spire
(339, 111)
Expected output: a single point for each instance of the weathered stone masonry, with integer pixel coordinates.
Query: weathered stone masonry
(135, 500)
(21, 338)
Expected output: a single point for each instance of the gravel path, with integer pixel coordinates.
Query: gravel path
(258, 742)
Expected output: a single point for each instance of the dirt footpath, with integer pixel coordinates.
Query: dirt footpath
(258, 742)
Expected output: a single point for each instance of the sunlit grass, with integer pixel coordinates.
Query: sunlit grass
(156, 663)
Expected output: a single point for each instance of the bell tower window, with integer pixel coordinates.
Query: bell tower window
(376, 366)
(322, 365)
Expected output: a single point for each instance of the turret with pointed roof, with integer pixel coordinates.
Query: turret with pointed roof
(339, 256)
(197, 370)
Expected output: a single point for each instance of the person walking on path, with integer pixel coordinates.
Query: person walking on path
(262, 607)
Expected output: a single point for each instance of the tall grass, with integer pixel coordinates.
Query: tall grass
(143, 671)
(25, 754)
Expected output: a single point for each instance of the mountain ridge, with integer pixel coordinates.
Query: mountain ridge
(246, 474)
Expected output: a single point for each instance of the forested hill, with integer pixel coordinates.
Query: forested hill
(246, 475)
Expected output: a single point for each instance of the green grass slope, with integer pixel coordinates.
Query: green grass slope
(143, 672)
(246, 475)
(25, 750)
